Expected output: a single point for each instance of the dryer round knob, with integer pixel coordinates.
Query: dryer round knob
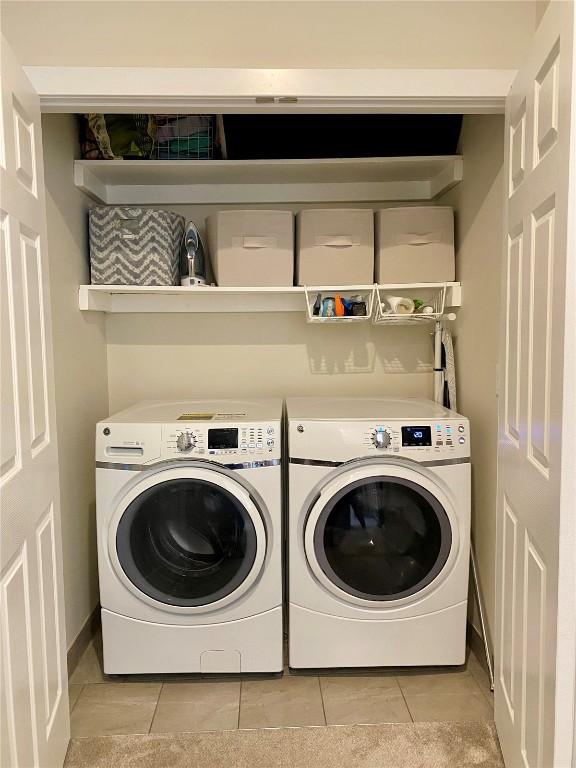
(300, 428)
(381, 438)
(184, 441)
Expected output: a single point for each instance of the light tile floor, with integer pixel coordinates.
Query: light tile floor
(102, 705)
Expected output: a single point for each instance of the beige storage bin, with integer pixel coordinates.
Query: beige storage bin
(335, 247)
(415, 244)
(252, 248)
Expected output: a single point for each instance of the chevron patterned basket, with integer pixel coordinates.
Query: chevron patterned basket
(134, 246)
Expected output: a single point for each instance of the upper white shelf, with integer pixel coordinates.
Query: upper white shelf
(135, 298)
(142, 182)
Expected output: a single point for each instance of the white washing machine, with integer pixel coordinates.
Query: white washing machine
(379, 533)
(190, 537)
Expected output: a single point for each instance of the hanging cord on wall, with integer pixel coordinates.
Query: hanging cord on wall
(445, 394)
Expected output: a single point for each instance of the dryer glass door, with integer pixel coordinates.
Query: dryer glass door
(187, 541)
(381, 538)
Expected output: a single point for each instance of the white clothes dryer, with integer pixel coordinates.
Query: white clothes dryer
(189, 523)
(379, 533)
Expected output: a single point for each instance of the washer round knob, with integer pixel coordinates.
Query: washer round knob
(184, 442)
(381, 438)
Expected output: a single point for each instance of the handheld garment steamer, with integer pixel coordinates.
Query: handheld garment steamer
(193, 258)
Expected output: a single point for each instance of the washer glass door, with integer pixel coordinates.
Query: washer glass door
(188, 541)
(380, 537)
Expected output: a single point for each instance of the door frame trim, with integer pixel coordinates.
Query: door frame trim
(142, 89)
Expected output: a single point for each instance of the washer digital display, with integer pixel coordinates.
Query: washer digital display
(416, 436)
(222, 438)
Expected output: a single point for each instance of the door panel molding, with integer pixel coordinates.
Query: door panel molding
(542, 231)
(18, 673)
(509, 594)
(51, 640)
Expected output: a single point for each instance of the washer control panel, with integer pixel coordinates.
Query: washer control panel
(227, 443)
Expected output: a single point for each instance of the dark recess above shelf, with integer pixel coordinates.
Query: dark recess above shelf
(252, 137)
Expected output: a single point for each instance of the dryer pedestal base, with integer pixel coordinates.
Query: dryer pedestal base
(253, 644)
(317, 640)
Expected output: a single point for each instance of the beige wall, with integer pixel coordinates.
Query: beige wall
(397, 33)
(174, 356)
(541, 6)
(80, 371)
(478, 202)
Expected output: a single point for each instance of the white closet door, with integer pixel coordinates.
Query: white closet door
(533, 703)
(34, 708)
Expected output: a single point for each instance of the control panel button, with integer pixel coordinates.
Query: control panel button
(461, 440)
(381, 438)
(461, 428)
(184, 442)
(270, 430)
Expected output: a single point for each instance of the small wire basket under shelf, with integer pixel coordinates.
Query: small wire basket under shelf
(353, 294)
(417, 304)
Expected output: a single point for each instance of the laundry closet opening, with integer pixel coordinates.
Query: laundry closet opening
(160, 347)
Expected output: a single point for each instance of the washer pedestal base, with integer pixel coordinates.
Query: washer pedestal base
(253, 644)
(317, 640)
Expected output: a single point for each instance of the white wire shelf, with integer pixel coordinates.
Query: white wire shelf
(210, 299)
(362, 293)
(416, 304)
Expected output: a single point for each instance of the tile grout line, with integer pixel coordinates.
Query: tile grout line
(156, 707)
(405, 699)
(322, 700)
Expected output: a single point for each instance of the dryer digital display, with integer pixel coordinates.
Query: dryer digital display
(416, 436)
(222, 438)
